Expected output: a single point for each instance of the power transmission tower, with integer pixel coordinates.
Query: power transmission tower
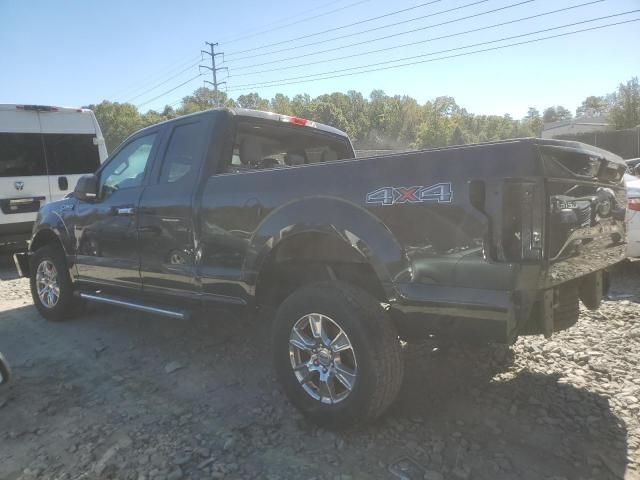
(214, 70)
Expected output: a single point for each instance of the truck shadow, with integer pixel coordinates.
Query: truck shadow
(624, 282)
(492, 409)
(7, 268)
(467, 408)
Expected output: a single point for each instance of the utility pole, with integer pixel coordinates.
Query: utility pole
(214, 70)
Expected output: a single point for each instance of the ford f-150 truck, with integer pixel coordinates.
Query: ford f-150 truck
(488, 241)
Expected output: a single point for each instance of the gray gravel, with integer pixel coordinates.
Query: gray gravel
(122, 395)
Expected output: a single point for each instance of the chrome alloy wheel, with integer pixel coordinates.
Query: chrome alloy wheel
(322, 358)
(47, 284)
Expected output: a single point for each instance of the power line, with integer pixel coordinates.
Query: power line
(237, 39)
(164, 82)
(396, 12)
(266, 84)
(128, 91)
(251, 30)
(432, 39)
(319, 76)
(168, 91)
(406, 32)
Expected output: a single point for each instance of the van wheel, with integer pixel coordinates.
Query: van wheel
(51, 286)
(337, 354)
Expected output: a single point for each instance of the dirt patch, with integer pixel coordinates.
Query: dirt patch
(118, 394)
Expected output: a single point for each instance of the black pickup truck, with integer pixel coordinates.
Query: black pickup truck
(485, 241)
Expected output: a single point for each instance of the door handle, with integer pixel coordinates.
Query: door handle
(125, 210)
(63, 183)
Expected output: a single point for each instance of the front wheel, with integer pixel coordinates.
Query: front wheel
(51, 286)
(337, 354)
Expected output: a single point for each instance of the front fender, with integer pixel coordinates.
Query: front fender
(50, 224)
(350, 222)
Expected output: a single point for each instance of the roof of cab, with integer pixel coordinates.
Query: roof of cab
(246, 112)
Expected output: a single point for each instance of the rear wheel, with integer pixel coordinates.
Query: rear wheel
(337, 354)
(51, 286)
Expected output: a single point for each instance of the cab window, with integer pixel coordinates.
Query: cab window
(261, 145)
(126, 169)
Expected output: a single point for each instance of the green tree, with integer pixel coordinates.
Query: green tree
(299, 103)
(593, 107)
(325, 112)
(555, 114)
(152, 117)
(117, 121)
(203, 99)
(625, 112)
(281, 104)
(253, 101)
(533, 123)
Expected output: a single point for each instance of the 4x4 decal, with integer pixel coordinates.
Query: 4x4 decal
(440, 193)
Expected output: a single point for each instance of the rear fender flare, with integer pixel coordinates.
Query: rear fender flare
(328, 215)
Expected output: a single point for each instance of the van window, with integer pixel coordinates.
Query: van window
(69, 154)
(21, 155)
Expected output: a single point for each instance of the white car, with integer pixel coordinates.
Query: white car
(633, 215)
(43, 152)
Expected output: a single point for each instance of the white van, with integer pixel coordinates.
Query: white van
(43, 152)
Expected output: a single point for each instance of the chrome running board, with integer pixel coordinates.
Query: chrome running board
(141, 307)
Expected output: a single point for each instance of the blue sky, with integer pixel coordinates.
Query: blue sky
(77, 53)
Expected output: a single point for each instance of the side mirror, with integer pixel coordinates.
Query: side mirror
(5, 371)
(86, 188)
(636, 170)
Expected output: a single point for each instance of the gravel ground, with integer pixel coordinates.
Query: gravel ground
(124, 395)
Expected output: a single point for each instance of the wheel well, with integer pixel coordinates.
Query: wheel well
(312, 257)
(45, 237)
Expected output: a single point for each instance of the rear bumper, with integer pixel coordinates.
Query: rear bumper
(421, 309)
(477, 314)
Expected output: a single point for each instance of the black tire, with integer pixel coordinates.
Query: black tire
(5, 371)
(67, 305)
(375, 346)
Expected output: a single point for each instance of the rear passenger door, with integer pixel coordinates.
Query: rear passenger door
(166, 225)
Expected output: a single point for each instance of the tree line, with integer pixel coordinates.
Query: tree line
(380, 121)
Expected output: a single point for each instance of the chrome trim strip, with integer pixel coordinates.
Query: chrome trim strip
(135, 306)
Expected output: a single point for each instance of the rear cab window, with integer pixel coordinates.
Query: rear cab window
(262, 144)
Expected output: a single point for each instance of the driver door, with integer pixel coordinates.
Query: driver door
(106, 228)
